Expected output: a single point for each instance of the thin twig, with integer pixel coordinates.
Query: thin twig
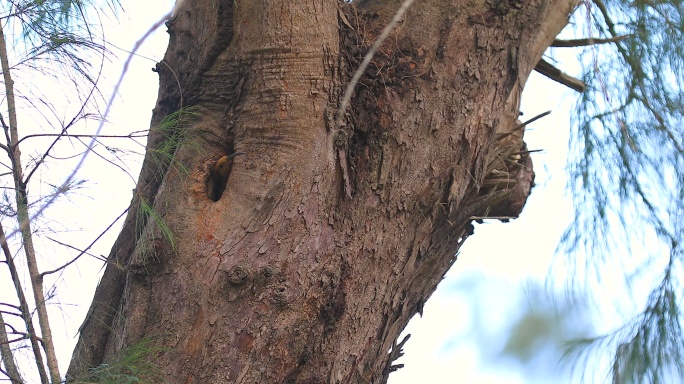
(131, 135)
(532, 120)
(491, 218)
(84, 251)
(522, 125)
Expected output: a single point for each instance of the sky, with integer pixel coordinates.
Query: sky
(467, 322)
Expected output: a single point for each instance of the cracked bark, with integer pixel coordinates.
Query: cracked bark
(327, 238)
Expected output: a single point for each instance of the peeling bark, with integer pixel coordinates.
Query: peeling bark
(328, 237)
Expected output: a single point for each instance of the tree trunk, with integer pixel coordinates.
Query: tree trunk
(328, 236)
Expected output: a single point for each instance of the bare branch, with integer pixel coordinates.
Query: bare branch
(10, 305)
(558, 43)
(23, 305)
(84, 251)
(555, 74)
(7, 355)
(131, 135)
(522, 125)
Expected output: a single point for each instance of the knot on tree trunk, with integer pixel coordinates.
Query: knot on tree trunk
(509, 176)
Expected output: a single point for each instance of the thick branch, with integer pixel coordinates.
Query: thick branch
(555, 74)
(7, 355)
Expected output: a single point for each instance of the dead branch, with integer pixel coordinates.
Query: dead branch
(558, 43)
(555, 74)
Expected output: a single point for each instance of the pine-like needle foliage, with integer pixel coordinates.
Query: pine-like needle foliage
(56, 54)
(627, 179)
(60, 39)
(52, 58)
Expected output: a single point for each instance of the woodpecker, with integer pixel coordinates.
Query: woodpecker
(222, 167)
(219, 177)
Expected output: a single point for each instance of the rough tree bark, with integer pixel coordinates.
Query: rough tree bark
(328, 237)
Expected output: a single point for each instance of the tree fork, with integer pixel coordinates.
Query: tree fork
(328, 237)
